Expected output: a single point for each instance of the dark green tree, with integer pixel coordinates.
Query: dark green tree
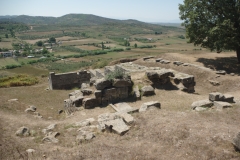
(6, 35)
(39, 43)
(135, 45)
(213, 24)
(103, 46)
(52, 40)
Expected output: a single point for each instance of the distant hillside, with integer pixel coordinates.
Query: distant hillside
(69, 19)
(168, 24)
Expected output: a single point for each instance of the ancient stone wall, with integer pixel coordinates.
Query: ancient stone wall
(68, 80)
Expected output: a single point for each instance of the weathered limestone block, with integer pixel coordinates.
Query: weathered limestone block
(216, 96)
(214, 83)
(117, 126)
(187, 81)
(84, 86)
(75, 93)
(98, 96)
(202, 103)
(149, 57)
(128, 118)
(122, 107)
(49, 128)
(103, 118)
(147, 91)
(87, 91)
(222, 105)
(23, 131)
(75, 100)
(90, 103)
(158, 59)
(122, 82)
(236, 141)
(228, 98)
(222, 72)
(102, 84)
(178, 63)
(31, 109)
(147, 105)
(92, 72)
(51, 137)
(159, 76)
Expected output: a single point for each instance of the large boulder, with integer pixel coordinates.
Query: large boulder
(122, 82)
(159, 76)
(90, 103)
(147, 91)
(102, 84)
(202, 103)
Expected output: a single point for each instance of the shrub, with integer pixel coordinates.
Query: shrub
(127, 49)
(118, 74)
(18, 80)
(11, 66)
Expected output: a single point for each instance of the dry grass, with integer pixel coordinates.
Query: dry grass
(174, 132)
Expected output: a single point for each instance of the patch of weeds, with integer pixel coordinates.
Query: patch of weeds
(18, 80)
(117, 74)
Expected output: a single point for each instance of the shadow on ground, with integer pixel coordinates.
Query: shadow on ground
(229, 64)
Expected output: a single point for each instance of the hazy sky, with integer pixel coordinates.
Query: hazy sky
(143, 10)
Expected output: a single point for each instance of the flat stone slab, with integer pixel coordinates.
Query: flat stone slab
(199, 109)
(122, 107)
(202, 103)
(117, 125)
(128, 118)
(146, 105)
(216, 96)
(222, 105)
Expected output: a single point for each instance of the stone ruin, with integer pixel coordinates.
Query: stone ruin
(68, 80)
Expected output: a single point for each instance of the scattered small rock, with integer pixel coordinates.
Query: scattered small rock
(12, 100)
(232, 74)
(31, 109)
(23, 131)
(49, 128)
(185, 64)
(51, 137)
(222, 72)
(214, 83)
(178, 63)
(30, 150)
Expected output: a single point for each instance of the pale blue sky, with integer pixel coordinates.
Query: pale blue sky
(142, 10)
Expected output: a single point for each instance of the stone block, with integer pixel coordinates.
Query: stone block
(147, 105)
(216, 96)
(202, 103)
(102, 84)
(90, 103)
(147, 91)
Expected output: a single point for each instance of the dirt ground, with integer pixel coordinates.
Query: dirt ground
(172, 132)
